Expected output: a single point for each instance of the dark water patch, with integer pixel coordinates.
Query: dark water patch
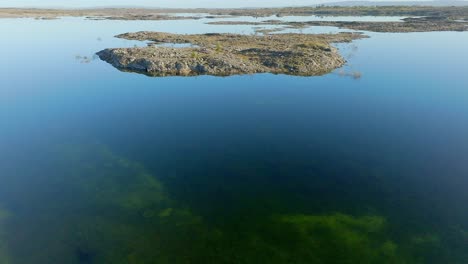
(85, 256)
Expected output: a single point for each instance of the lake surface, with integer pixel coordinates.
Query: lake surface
(103, 166)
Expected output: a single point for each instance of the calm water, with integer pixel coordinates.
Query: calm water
(102, 166)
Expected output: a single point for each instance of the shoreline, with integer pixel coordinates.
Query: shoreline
(453, 13)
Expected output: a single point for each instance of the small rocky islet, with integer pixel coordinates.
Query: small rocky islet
(230, 54)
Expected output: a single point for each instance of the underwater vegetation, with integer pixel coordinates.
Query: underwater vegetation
(135, 220)
(340, 238)
(107, 180)
(97, 207)
(4, 258)
(330, 238)
(118, 212)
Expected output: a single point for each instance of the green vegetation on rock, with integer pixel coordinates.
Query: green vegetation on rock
(231, 54)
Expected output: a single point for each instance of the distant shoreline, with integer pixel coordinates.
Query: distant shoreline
(167, 13)
(340, 3)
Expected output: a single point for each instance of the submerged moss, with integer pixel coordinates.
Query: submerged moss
(137, 221)
(166, 212)
(108, 180)
(464, 233)
(3, 215)
(120, 213)
(425, 239)
(340, 238)
(4, 257)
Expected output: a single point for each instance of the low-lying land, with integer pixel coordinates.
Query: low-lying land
(412, 24)
(99, 14)
(453, 13)
(420, 18)
(449, 11)
(230, 54)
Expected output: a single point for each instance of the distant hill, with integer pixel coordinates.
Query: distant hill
(399, 3)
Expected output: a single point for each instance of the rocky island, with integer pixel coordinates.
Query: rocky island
(229, 54)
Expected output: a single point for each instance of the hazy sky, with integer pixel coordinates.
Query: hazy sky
(158, 3)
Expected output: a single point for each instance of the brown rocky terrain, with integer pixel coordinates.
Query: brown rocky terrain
(411, 24)
(230, 54)
(454, 13)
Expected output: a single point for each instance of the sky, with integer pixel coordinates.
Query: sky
(160, 3)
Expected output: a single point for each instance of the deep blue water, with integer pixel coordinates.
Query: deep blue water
(102, 166)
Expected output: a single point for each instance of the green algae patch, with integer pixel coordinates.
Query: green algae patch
(4, 257)
(3, 215)
(336, 222)
(464, 233)
(106, 179)
(131, 218)
(425, 239)
(121, 213)
(340, 238)
(166, 212)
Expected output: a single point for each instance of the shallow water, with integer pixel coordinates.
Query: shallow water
(102, 166)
